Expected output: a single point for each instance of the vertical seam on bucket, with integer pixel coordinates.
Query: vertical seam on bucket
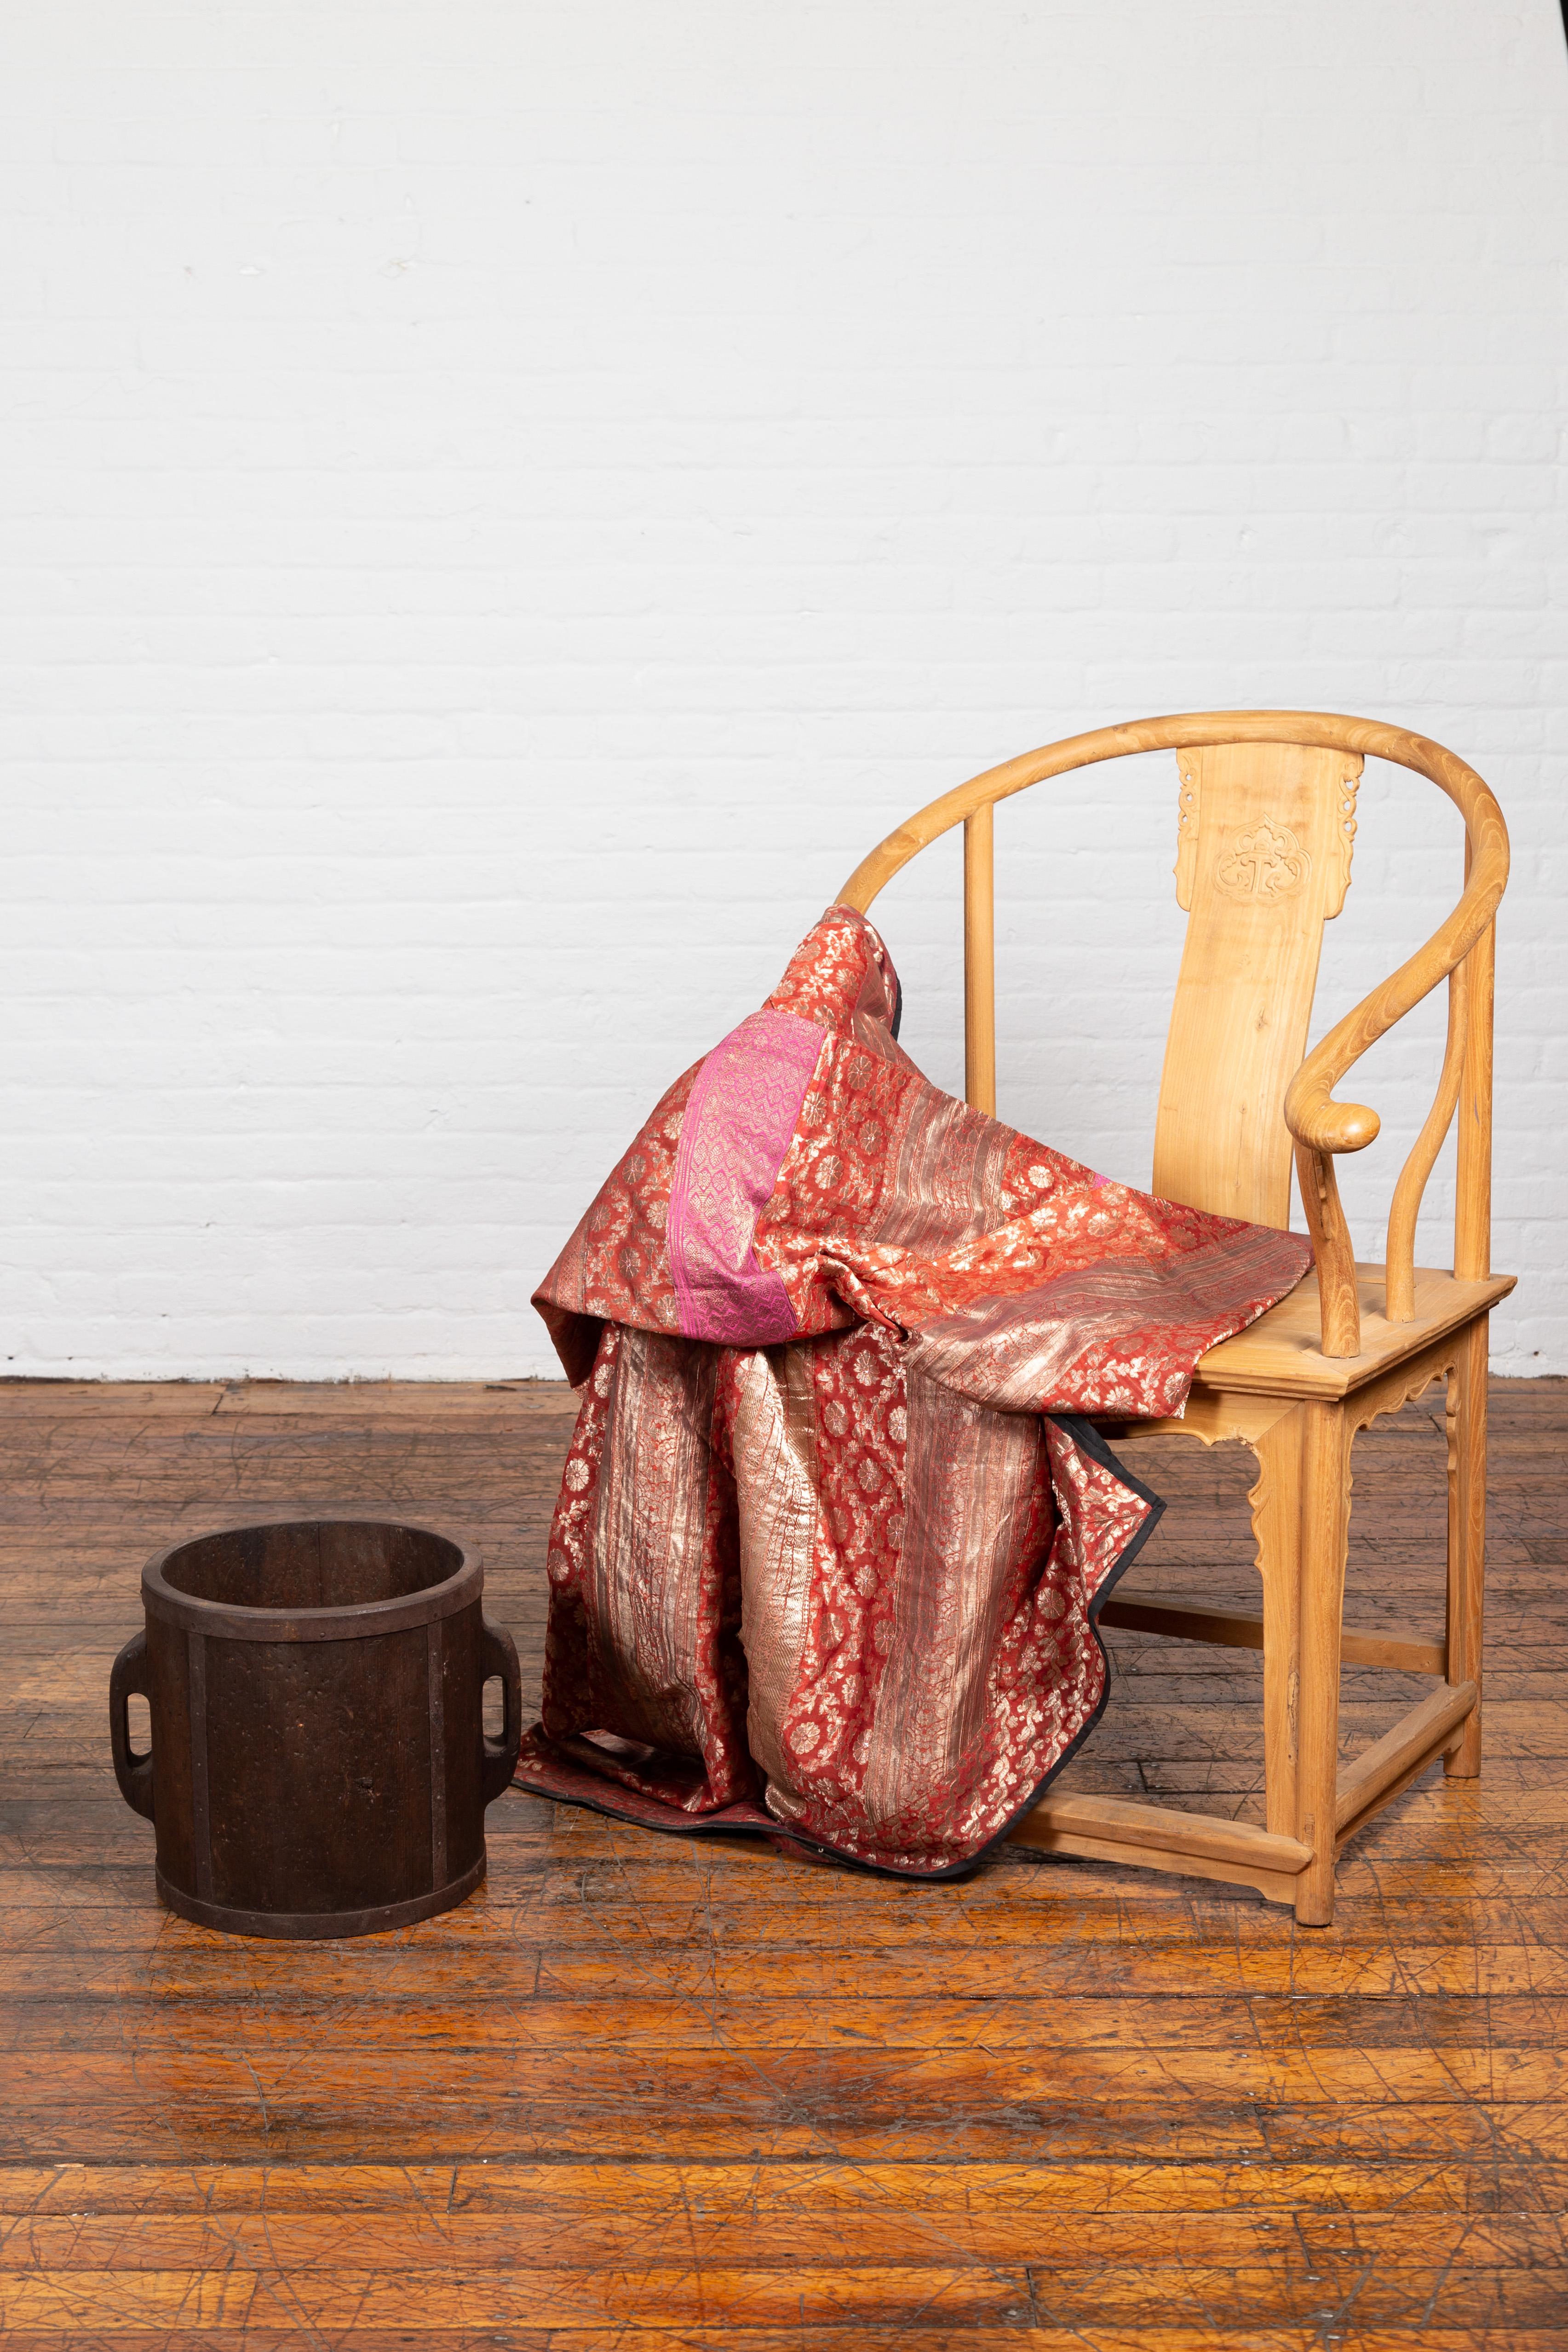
(434, 1664)
(200, 1810)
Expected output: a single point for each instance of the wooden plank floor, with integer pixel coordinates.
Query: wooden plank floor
(641, 2092)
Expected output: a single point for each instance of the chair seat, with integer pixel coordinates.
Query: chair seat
(1282, 1353)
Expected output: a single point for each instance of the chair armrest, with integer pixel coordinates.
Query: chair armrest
(1311, 1114)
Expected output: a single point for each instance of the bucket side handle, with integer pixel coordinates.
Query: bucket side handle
(498, 1655)
(133, 1772)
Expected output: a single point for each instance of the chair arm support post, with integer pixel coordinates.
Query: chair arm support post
(1472, 1201)
(1400, 1275)
(979, 961)
(1332, 1248)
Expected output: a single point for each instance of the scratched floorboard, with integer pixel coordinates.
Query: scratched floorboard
(645, 2093)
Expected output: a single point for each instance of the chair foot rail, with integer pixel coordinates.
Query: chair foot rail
(1116, 1821)
(1406, 1652)
(1392, 1762)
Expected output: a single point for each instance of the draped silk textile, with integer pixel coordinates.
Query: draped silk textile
(834, 1527)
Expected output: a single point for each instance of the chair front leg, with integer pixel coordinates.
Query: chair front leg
(1325, 1542)
(1467, 1432)
(1276, 1501)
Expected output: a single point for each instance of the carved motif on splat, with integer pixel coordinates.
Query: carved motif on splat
(1266, 862)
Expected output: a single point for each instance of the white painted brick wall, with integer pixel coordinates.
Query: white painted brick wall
(504, 503)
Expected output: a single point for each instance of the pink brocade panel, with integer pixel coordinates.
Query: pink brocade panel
(737, 1126)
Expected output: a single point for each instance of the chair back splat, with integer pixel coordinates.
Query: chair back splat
(1264, 839)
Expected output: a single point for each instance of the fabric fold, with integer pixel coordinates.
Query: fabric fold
(835, 1524)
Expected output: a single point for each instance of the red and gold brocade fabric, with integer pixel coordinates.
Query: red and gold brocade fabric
(834, 1527)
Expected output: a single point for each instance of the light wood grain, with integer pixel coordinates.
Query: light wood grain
(1279, 1356)
(1472, 1200)
(1382, 1771)
(1147, 1837)
(1263, 863)
(1324, 1506)
(1339, 1303)
(1402, 1651)
(1300, 1506)
(1466, 1427)
(1399, 1304)
(979, 961)
(1278, 1532)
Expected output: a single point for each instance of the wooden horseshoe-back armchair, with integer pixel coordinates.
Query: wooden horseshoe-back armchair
(1265, 830)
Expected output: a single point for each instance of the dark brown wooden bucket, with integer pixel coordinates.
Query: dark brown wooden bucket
(319, 1763)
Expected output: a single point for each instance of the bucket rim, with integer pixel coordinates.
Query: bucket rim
(350, 1621)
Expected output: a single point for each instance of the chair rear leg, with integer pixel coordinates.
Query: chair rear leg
(1467, 1432)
